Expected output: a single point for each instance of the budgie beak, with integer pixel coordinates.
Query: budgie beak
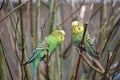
(75, 30)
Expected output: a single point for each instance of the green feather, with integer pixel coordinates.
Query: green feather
(77, 35)
(50, 42)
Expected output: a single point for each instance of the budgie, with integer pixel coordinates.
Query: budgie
(77, 35)
(50, 42)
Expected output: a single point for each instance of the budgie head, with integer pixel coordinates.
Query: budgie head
(59, 34)
(77, 27)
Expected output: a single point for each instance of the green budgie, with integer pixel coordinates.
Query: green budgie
(53, 40)
(77, 35)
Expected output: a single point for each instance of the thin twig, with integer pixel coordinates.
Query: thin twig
(16, 38)
(37, 27)
(88, 62)
(98, 65)
(72, 14)
(1, 31)
(31, 18)
(79, 59)
(47, 51)
(37, 21)
(65, 54)
(31, 25)
(8, 66)
(3, 2)
(47, 61)
(109, 21)
(114, 54)
(13, 18)
(3, 18)
(22, 40)
(94, 13)
(61, 61)
(53, 8)
(101, 23)
(109, 36)
(107, 68)
(43, 26)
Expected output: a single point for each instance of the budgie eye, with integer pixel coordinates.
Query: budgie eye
(61, 37)
(79, 28)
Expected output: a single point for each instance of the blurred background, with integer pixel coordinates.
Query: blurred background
(23, 23)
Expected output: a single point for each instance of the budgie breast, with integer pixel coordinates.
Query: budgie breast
(76, 39)
(53, 42)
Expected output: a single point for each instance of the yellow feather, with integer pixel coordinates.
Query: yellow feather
(77, 27)
(59, 34)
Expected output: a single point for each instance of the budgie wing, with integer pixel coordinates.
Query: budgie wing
(42, 45)
(89, 41)
(91, 47)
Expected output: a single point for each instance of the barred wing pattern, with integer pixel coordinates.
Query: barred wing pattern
(42, 45)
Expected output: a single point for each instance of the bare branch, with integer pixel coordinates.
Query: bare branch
(13, 11)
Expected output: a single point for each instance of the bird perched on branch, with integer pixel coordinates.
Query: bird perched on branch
(77, 35)
(49, 43)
